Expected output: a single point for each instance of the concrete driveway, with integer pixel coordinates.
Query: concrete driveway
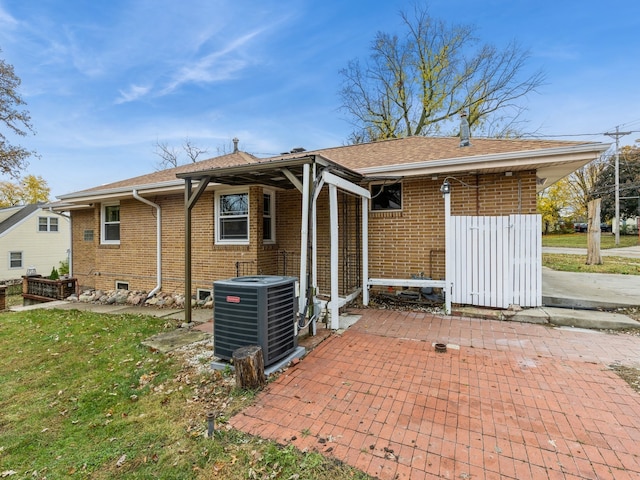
(506, 400)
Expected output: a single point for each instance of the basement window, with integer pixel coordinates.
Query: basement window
(202, 294)
(120, 285)
(386, 197)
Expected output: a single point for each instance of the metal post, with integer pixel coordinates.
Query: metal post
(187, 251)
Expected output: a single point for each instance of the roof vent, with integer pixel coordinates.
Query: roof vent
(464, 130)
(235, 144)
(298, 150)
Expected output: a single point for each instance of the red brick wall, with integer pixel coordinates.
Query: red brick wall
(84, 252)
(400, 243)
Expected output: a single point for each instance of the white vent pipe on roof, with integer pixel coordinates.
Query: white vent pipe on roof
(158, 241)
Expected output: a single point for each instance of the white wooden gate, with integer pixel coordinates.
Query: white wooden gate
(496, 261)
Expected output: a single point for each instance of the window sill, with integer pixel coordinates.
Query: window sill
(386, 213)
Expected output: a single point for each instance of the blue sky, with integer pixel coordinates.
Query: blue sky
(106, 80)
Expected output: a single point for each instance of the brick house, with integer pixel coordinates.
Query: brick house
(363, 211)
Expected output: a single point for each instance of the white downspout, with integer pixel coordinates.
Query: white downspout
(158, 242)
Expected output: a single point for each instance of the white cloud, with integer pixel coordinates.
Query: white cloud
(6, 19)
(216, 66)
(133, 93)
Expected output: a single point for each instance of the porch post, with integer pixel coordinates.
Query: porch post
(365, 251)
(314, 253)
(187, 250)
(448, 264)
(190, 199)
(334, 309)
(304, 238)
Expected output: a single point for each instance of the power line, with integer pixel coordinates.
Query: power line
(599, 134)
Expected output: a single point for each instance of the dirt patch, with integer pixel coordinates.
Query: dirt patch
(628, 374)
(631, 375)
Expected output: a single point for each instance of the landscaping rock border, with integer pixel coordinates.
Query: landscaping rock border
(137, 298)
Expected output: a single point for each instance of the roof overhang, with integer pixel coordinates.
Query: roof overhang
(550, 164)
(119, 193)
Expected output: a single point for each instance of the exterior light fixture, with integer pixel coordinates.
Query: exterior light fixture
(445, 188)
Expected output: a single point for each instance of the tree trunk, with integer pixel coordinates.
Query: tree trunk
(249, 365)
(593, 235)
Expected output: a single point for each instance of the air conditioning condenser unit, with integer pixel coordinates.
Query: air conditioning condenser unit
(255, 310)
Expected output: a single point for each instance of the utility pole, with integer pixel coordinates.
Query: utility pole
(617, 134)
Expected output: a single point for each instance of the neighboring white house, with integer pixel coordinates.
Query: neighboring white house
(32, 237)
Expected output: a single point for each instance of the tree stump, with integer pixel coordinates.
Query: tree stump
(249, 364)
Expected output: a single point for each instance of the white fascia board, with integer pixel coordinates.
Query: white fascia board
(536, 157)
(174, 186)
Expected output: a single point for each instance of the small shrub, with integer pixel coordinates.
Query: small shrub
(64, 267)
(54, 274)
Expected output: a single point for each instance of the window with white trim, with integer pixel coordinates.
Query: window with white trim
(232, 217)
(15, 259)
(110, 224)
(47, 224)
(269, 217)
(386, 196)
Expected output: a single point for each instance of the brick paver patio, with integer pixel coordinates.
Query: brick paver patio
(514, 401)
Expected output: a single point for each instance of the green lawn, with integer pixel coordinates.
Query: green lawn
(579, 240)
(80, 397)
(576, 263)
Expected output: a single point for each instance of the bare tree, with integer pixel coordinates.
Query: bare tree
(170, 157)
(581, 184)
(192, 151)
(13, 158)
(412, 85)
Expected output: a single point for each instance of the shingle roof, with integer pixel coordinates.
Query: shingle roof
(422, 149)
(228, 160)
(386, 153)
(17, 217)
